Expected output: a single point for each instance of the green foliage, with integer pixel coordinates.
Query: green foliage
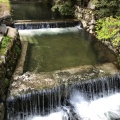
(64, 7)
(18, 50)
(106, 8)
(5, 42)
(108, 29)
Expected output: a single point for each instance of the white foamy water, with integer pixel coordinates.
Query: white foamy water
(100, 109)
(107, 108)
(60, 115)
(48, 31)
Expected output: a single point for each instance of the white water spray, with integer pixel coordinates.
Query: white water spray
(48, 31)
(60, 115)
(106, 108)
(81, 103)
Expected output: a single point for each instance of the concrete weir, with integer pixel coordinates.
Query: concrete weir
(26, 82)
(29, 81)
(29, 24)
(42, 102)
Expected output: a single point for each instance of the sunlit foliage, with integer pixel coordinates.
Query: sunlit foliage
(64, 7)
(108, 28)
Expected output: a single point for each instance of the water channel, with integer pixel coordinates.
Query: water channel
(51, 49)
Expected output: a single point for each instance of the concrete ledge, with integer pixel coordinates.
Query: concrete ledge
(20, 64)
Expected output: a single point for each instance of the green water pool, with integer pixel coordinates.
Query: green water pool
(58, 48)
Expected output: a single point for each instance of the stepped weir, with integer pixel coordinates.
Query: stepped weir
(70, 101)
(21, 25)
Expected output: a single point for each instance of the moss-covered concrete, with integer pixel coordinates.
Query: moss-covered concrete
(8, 61)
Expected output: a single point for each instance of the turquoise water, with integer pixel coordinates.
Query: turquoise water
(58, 48)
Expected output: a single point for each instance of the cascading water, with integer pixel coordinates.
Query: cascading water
(96, 99)
(40, 25)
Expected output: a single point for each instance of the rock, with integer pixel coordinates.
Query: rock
(92, 21)
(79, 15)
(110, 47)
(91, 5)
(3, 29)
(79, 9)
(87, 30)
(3, 58)
(12, 32)
(91, 27)
(84, 23)
(107, 43)
(91, 31)
(87, 16)
(101, 71)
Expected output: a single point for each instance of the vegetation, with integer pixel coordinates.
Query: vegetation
(106, 8)
(6, 2)
(64, 7)
(5, 43)
(108, 28)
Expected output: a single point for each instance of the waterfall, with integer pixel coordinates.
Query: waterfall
(34, 103)
(96, 99)
(40, 25)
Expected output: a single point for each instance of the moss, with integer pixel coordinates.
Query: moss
(18, 50)
(106, 72)
(4, 44)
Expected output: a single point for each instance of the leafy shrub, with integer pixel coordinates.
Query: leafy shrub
(64, 7)
(106, 8)
(108, 28)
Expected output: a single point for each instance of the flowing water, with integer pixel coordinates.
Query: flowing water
(97, 99)
(48, 24)
(107, 108)
(55, 49)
